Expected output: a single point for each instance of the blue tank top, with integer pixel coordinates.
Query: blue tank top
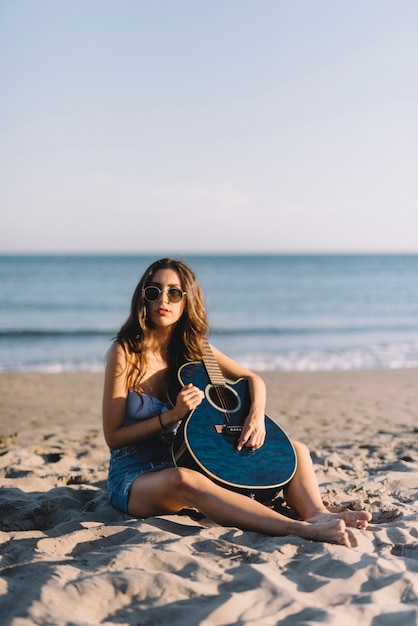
(141, 406)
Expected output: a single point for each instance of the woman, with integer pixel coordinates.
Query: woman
(166, 327)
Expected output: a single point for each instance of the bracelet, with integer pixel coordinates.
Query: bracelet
(161, 422)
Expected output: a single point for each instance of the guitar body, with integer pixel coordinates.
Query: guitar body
(206, 440)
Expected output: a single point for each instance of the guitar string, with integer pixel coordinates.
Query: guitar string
(214, 372)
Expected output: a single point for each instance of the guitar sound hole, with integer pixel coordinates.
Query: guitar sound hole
(224, 398)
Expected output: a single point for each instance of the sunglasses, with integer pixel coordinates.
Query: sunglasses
(152, 293)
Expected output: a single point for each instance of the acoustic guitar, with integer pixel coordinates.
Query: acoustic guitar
(206, 439)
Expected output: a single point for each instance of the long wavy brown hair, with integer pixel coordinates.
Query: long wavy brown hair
(186, 342)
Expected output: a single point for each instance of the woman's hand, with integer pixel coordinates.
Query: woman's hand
(253, 431)
(187, 399)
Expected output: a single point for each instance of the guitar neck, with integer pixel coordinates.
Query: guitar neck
(213, 370)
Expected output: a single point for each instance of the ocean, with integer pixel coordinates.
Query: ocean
(274, 312)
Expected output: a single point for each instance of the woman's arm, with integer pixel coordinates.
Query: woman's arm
(115, 393)
(253, 432)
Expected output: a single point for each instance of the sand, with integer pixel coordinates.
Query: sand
(68, 558)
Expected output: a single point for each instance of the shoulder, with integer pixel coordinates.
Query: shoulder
(116, 352)
(230, 368)
(117, 358)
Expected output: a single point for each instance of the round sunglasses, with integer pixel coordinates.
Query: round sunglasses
(152, 293)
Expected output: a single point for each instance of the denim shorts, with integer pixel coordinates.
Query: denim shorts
(129, 462)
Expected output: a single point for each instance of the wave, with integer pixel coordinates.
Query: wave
(389, 356)
(53, 367)
(314, 330)
(34, 333)
(285, 331)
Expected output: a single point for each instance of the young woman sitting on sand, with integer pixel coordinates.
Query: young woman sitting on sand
(167, 327)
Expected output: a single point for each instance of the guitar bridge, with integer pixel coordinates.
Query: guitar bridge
(227, 429)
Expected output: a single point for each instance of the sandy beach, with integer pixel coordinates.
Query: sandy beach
(68, 558)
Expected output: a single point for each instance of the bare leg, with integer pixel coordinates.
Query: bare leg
(303, 495)
(171, 490)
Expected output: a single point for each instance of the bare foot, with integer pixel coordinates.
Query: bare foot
(353, 519)
(332, 530)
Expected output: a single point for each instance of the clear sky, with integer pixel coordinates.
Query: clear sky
(209, 125)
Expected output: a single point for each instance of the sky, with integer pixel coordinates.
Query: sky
(181, 126)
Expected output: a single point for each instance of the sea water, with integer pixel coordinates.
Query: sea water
(270, 312)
